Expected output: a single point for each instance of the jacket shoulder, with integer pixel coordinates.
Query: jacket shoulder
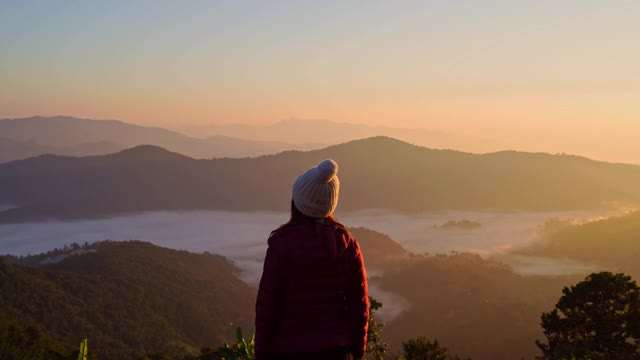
(287, 234)
(281, 236)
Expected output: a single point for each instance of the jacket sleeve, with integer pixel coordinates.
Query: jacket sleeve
(358, 305)
(268, 304)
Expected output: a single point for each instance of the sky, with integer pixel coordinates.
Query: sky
(510, 68)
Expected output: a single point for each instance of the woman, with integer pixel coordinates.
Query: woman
(312, 302)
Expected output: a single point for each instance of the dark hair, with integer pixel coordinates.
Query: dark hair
(298, 218)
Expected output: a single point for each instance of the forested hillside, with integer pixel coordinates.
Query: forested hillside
(151, 178)
(478, 307)
(133, 298)
(129, 298)
(612, 243)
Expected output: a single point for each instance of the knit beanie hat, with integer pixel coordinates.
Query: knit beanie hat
(315, 192)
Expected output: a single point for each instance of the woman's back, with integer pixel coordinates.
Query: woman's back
(312, 298)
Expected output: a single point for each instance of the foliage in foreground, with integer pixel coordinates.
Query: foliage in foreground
(597, 319)
(422, 348)
(243, 349)
(418, 349)
(375, 347)
(81, 354)
(18, 342)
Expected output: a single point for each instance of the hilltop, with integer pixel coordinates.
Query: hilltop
(151, 178)
(129, 298)
(610, 243)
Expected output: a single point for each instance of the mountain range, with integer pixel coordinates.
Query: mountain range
(64, 135)
(375, 173)
(577, 140)
(21, 149)
(319, 131)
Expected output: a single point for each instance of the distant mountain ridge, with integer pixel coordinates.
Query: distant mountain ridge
(333, 132)
(22, 149)
(466, 139)
(378, 172)
(63, 135)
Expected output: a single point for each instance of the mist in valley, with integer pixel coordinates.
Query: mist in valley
(242, 237)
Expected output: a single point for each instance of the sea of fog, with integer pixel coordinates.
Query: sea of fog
(242, 236)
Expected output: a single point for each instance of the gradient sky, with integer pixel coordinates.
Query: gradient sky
(506, 67)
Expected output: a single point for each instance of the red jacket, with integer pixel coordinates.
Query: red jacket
(313, 294)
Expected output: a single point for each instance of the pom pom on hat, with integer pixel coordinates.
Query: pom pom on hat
(315, 192)
(327, 170)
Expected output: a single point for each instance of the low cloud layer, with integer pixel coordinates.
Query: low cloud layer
(243, 236)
